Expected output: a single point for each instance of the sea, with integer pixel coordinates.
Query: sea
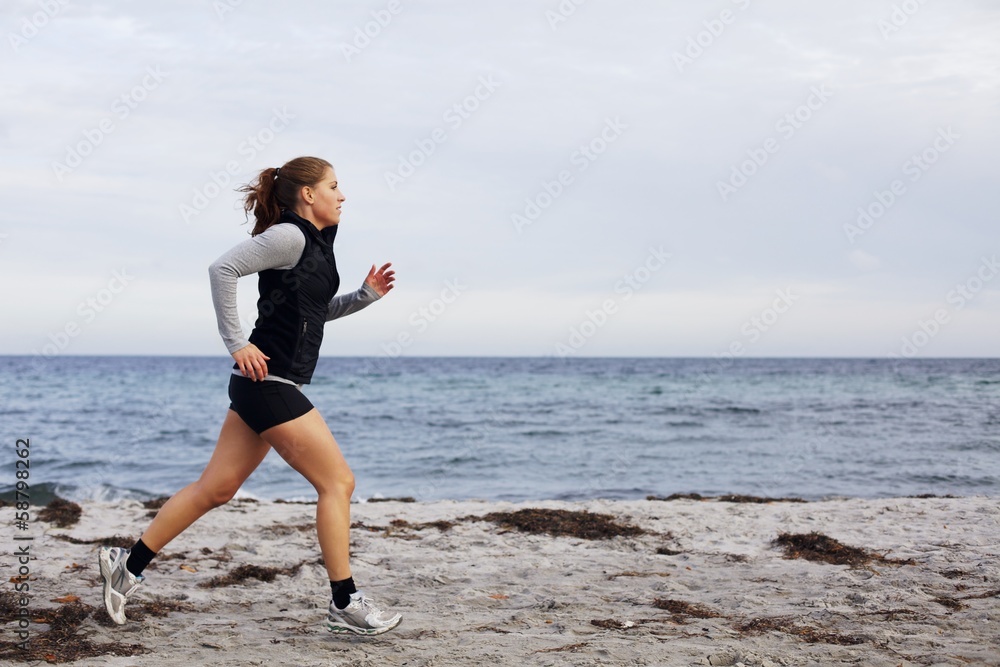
(522, 429)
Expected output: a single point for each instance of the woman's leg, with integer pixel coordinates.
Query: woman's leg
(308, 446)
(237, 454)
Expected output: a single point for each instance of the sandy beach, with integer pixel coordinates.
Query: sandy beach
(682, 581)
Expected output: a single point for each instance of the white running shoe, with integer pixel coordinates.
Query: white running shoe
(361, 617)
(119, 583)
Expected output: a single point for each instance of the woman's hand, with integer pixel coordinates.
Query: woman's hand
(252, 362)
(381, 280)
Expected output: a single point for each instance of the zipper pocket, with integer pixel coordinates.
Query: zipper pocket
(298, 343)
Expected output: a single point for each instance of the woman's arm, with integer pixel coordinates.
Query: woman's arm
(352, 302)
(279, 246)
(375, 286)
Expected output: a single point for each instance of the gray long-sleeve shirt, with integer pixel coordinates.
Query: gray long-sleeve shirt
(279, 246)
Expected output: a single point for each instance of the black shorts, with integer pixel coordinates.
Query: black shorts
(266, 403)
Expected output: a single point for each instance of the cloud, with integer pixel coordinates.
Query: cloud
(655, 185)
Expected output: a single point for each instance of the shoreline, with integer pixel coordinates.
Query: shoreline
(654, 582)
(45, 492)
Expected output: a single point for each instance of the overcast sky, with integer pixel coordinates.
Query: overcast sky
(658, 178)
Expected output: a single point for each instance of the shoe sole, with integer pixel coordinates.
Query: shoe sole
(102, 559)
(344, 629)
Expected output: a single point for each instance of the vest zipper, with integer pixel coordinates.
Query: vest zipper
(294, 360)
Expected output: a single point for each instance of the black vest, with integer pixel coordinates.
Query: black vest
(293, 303)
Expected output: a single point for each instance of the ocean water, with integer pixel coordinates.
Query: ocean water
(525, 428)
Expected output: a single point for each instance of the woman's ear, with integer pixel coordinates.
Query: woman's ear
(306, 194)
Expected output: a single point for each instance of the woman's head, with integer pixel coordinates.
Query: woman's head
(306, 185)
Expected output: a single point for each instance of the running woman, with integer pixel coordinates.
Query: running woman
(297, 212)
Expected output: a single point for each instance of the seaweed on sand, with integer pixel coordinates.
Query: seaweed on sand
(824, 549)
(757, 626)
(61, 642)
(556, 522)
(680, 608)
(246, 571)
(63, 513)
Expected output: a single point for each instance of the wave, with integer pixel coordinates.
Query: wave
(44, 493)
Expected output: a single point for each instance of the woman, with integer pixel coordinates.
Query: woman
(297, 211)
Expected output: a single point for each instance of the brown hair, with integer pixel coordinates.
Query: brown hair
(267, 195)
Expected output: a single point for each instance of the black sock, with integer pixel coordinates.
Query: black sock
(138, 558)
(342, 591)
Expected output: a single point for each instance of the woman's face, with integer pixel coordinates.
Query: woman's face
(325, 199)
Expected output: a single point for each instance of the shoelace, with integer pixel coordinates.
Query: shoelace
(138, 580)
(368, 604)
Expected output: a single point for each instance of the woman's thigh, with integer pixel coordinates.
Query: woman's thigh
(237, 454)
(308, 446)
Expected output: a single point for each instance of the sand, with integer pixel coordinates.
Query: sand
(705, 585)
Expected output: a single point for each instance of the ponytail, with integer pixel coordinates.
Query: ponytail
(277, 189)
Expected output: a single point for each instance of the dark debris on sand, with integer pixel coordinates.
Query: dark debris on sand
(441, 524)
(757, 626)
(955, 603)
(824, 549)
(558, 523)
(679, 496)
(61, 641)
(63, 513)
(154, 505)
(681, 609)
(667, 551)
(247, 571)
(727, 498)
(113, 541)
(8, 606)
(555, 522)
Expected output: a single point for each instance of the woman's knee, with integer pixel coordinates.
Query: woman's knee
(216, 495)
(342, 484)
(345, 482)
